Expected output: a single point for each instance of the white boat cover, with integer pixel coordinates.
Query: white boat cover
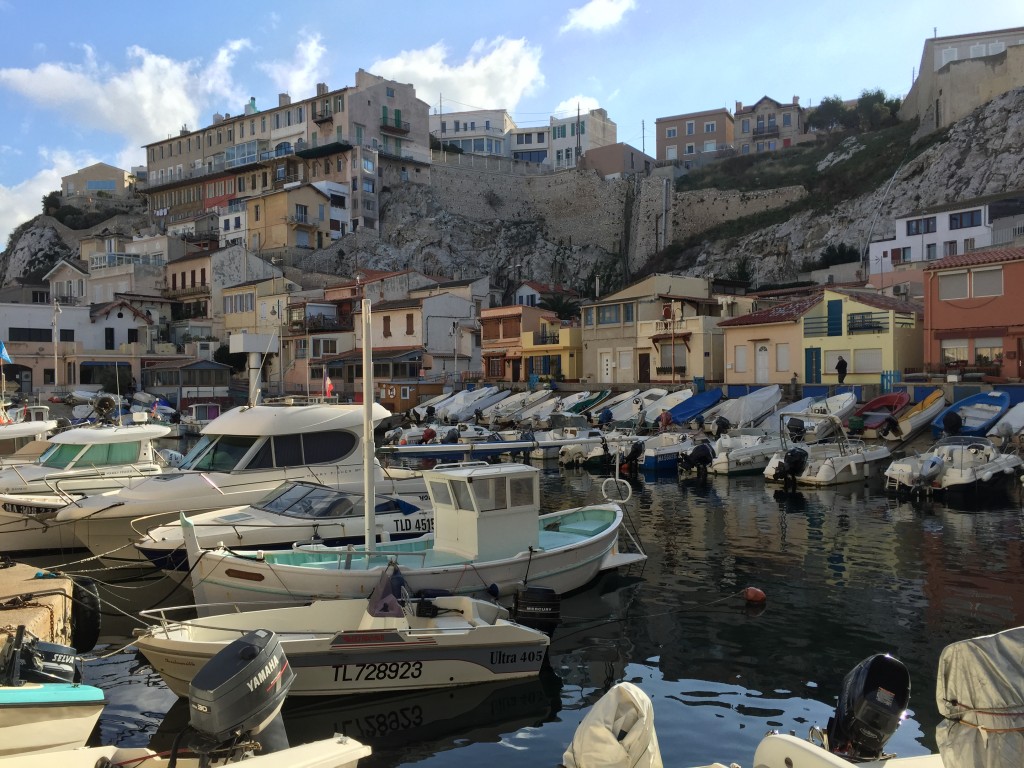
(618, 732)
(980, 694)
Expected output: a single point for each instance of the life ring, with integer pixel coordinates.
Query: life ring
(619, 483)
(85, 614)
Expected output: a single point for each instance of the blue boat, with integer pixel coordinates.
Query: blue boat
(694, 406)
(977, 414)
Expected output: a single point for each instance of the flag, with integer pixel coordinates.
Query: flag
(328, 385)
(3, 354)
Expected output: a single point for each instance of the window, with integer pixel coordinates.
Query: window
(390, 92)
(867, 360)
(745, 125)
(987, 282)
(495, 367)
(588, 316)
(709, 146)
(409, 324)
(745, 149)
(710, 127)
(690, 149)
(690, 127)
(787, 119)
(968, 244)
(627, 313)
(760, 146)
(988, 351)
(954, 351)
(949, 248)
(387, 326)
(608, 315)
(740, 358)
(782, 357)
(953, 286)
(921, 226)
(227, 225)
(671, 152)
(965, 219)
(930, 251)
(670, 133)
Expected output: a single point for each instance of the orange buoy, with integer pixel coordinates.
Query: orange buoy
(754, 595)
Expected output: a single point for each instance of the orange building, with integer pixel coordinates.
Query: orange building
(974, 320)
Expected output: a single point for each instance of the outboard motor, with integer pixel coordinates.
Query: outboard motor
(952, 423)
(931, 468)
(891, 426)
(697, 422)
(451, 436)
(237, 694)
(874, 697)
(633, 456)
(698, 458)
(393, 436)
(720, 426)
(27, 659)
(794, 462)
(796, 429)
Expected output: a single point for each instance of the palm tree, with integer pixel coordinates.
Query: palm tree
(563, 306)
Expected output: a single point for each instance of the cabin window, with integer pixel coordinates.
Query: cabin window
(463, 496)
(300, 450)
(491, 494)
(59, 456)
(439, 492)
(521, 492)
(220, 454)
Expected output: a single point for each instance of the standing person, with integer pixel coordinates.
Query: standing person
(841, 369)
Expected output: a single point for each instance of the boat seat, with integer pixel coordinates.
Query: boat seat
(584, 527)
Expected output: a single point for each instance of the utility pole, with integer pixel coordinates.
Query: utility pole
(643, 137)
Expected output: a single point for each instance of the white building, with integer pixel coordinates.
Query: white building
(477, 132)
(572, 136)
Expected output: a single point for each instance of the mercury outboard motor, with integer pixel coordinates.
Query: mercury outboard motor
(237, 694)
(952, 423)
(874, 697)
(698, 458)
(796, 429)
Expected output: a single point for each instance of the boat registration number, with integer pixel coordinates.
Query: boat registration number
(394, 670)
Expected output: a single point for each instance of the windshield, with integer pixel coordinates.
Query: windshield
(309, 501)
(59, 455)
(220, 454)
(98, 455)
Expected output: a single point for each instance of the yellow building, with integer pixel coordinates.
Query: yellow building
(296, 217)
(554, 351)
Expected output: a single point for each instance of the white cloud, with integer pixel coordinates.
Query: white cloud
(299, 76)
(597, 15)
(567, 107)
(23, 201)
(495, 74)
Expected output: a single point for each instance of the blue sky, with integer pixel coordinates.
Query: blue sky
(81, 83)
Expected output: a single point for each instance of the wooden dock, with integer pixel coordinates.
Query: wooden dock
(43, 605)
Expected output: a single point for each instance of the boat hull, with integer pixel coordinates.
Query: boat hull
(39, 726)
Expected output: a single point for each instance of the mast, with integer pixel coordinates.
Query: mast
(369, 499)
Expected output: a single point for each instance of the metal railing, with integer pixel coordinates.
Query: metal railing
(541, 338)
(394, 125)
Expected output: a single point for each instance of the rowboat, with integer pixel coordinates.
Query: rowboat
(914, 418)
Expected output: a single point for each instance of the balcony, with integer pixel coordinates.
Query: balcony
(769, 132)
(192, 290)
(324, 115)
(312, 152)
(394, 126)
(867, 322)
(541, 338)
(302, 220)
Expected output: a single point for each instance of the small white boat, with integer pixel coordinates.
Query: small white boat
(629, 410)
(617, 731)
(666, 403)
(511, 410)
(563, 426)
(662, 451)
(613, 443)
(840, 406)
(456, 409)
(915, 418)
(391, 642)
(23, 436)
(538, 415)
(835, 461)
(79, 462)
(748, 410)
(419, 412)
(197, 416)
(42, 709)
(613, 401)
(234, 699)
(961, 463)
(1009, 430)
(488, 538)
(477, 407)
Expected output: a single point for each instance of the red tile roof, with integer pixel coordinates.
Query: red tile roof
(880, 301)
(782, 313)
(974, 258)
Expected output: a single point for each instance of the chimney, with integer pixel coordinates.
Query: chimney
(321, 89)
(217, 117)
(739, 106)
(250, 108)
(796, 101)
(283, 99)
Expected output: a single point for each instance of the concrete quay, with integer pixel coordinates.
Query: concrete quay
(43, 605)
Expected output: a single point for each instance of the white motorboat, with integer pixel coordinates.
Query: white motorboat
(294, 511)
(42, 709)
(662, 451)
(462, 405)
(840, 406)
(23, 435)
(834, 461)
(234, 700)
(629, 410)
(419, 412)
(79, 462)
(487, 538)
(612, 443)
(196, 417)
(666, 403)
(240, 457)
(1009, 430)
(748, 410)
(563, 426)
(476, 408)
(539, 414)
(916, 418)
(391, 642)
(960, 463)
(440, 433)
(511, 410)
(611, 402)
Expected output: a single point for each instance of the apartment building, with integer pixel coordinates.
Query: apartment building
(617, 161)
(768, 125)
(572, 136)
(476, 132)
(694, 138)
(360, 135)
(95, 182)
(959, 73)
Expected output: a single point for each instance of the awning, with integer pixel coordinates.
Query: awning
(970, 333)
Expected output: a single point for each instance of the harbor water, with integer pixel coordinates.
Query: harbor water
(848, 572)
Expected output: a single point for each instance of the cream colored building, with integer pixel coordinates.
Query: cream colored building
(694, 138)
(959, 73)
(572, 136)
(502, 332)
(96, 182)
(292, 217)
(768, 125)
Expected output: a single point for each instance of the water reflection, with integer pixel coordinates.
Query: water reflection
(848, 572)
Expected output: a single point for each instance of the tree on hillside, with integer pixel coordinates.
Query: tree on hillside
(828, 115)
(563, 306)
(875, 110)
(52, 203)
(833, 254)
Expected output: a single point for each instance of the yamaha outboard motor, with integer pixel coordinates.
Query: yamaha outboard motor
(952, 423)
(237, 694)
(793, 463)
(796, 429)
(871, 705)
(699, 458)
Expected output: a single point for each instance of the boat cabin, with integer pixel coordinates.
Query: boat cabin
(484, 511)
